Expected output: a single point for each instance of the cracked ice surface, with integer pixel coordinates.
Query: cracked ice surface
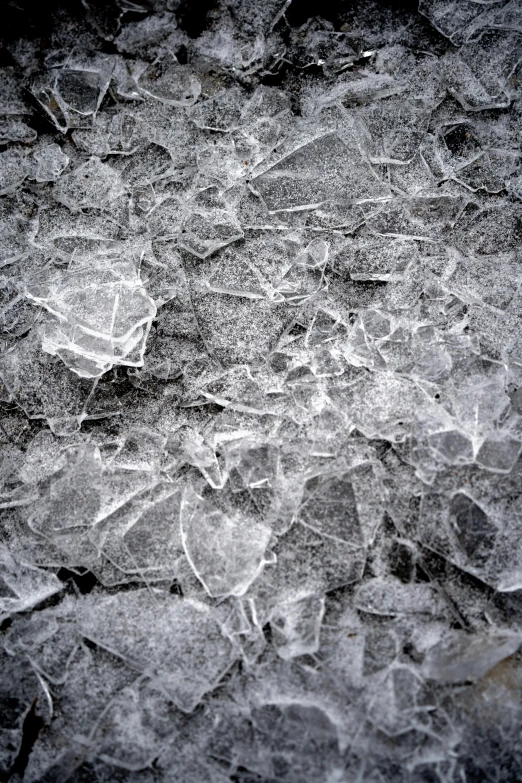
(261, 391)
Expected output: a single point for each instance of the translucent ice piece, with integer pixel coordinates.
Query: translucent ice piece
(154, 540)
(72, 95)
(13, 169)
(124, 738)
(474, 531)
(142, 449)
(227, 552)
(14, 130)
(493, 55)
(110, 133)
(490, 230)
(430, 218)
(169, 82)
(378, 258)
(73, 235)
(51, 162)
(328, 507)
(151, 163)
(164, 220)
(43, 389)
(492, 280)
(145, 36)
(454, 17)
(297, 625)
(102, 321)
(42, 88)
(397, 127)
(23, 586)
(499, 452)
(464, 84)
(322, 170)
(265, 102)
(393, 709)
(314, 256)
(256, 464)
(476, 526)
(197, 451)
(205, 231)
(312, 563)
(74, 493)
(146, 524)
(93, 184)
(380, 649)
(390, 597)
(175, 641)
(15, 229)
(323, 329)
(464, 657)
(490, 171)
(49, 639)
(82, 90)
(300, 284)
(382, 407)
(222, 113)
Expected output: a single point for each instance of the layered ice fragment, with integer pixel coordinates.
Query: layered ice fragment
(323, 170)
(169, 82)
(101, 316)
(227, 553)
(174, 641)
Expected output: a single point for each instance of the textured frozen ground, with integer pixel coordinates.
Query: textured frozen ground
(261, 383)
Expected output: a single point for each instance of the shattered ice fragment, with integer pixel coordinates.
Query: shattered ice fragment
(168, 81)
(13, 169)
(322, 170)
(454, 17)
(42, 389)
(15, 230)
(397, 127)
(222, 113)
(296, 624)
(205, 231)
(462, 657)
(380, 258)
(394, 709)
(74, 493)
(51, 162)
(73, 94)
(391, 597)
(499, 452)
(174, 641)
(93, 184)
(14, 130)
(151, 163)
(23, 586)
(198, 452)
(226, 551)
(328, 507)
(300, 284)
(102, 318)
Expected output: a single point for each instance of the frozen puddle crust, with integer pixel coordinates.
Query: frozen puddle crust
(261, 392)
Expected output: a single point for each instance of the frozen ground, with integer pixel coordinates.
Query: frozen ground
(261, 383)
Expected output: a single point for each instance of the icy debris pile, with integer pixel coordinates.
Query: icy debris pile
(261, 392)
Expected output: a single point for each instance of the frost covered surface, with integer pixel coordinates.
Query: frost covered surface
(261, 392)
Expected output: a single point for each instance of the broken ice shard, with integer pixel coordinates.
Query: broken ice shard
(325, 169)
(227, 553)
(101, 317)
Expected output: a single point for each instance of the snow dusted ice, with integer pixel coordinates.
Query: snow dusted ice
(261, 392)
